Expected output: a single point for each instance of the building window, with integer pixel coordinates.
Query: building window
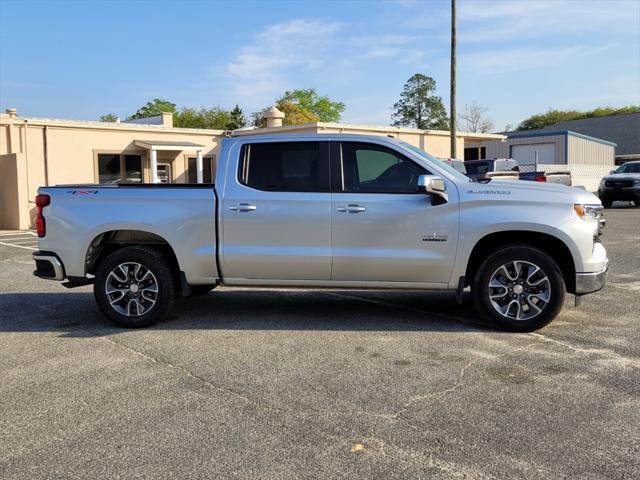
(471, 153)
(115, 168)
(207, 170)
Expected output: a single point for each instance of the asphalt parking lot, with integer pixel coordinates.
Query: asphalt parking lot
(308, 384)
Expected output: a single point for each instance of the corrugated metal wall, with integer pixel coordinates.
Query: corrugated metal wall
(583, 151)
(503, 149)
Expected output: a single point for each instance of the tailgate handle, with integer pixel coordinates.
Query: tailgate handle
(242, 207)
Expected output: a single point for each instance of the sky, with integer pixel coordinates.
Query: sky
(80, 60)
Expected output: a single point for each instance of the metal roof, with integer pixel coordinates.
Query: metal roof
(623, 130)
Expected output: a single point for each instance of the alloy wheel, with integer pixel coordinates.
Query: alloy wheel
(132, 289)
(519, 290)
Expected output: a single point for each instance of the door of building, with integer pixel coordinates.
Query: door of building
(164, 172)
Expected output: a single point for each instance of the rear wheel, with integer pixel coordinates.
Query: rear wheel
(519, 288)
(134, 287)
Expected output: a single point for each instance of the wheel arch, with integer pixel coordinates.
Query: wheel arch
(549, 244)
(110, 241)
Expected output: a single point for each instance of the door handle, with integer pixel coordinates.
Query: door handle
(242, 207)
(352, 208)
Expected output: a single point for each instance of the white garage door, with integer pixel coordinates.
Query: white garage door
(540, 152)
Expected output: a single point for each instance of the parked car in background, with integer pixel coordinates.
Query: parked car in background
(623, 183)
(510, 169)
(457, 164)
(499, 169)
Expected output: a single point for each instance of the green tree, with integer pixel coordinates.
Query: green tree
(109, 117)
(214, 118)
(325, 109)
(553, 116)
(419, 107)
(153, 108)
(237, 119)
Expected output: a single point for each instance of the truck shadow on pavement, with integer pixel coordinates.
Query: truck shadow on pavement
(75, 314)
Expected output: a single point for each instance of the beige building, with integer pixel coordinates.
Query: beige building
(37, 152)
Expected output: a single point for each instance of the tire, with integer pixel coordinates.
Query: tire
(544, 287)
(606, 203)
(140, 284)
(197, 290)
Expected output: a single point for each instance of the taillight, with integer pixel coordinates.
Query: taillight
(541, 178)
(41, 202)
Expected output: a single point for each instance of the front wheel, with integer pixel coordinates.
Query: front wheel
(519, 288)
(134, 287)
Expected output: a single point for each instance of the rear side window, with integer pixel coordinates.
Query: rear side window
(285, 166)
(370, 168)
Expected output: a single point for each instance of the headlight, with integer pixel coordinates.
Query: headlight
(588, 212)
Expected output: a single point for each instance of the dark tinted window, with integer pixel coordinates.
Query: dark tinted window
(629, 168)
(477, 168)
(108, 168)
(285, 167)
(114, 168)
(369, 168)
(132, 168)
(207, 170)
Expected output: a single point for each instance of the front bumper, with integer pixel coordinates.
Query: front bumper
(48, 266)
(592, 281)
(629, 193)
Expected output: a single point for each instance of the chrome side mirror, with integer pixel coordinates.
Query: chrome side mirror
(434, 186)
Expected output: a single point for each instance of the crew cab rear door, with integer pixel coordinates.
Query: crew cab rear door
(276, 212)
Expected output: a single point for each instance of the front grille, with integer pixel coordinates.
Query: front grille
(619, 183)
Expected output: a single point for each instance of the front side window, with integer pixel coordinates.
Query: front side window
(284, 167)
(370, 168)
(115, 168)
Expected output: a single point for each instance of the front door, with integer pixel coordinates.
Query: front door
(382, 229)
(276, 213)
(164, 172)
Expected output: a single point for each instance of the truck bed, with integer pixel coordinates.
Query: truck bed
(182, 215)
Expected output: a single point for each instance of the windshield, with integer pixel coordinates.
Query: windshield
(455, 173)
(507, 166)
(629, 168)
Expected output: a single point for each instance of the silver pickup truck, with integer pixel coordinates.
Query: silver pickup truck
(325, 211)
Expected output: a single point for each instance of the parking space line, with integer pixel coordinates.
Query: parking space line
(17, 246)
(21, 234)
(19, 239)
(24, 241)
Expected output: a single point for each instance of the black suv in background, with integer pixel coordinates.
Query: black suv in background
(622, 184)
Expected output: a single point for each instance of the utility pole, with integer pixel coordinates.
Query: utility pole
(454, 150)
